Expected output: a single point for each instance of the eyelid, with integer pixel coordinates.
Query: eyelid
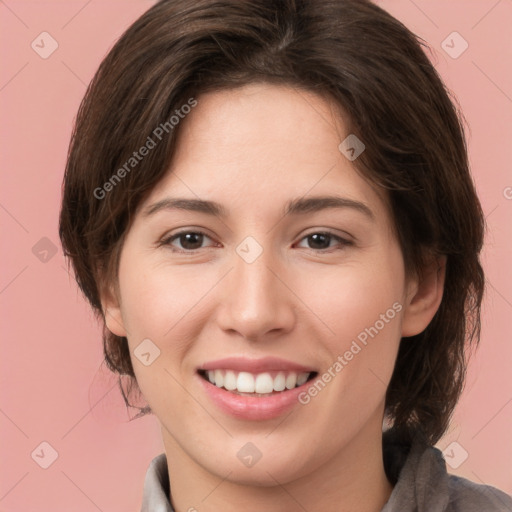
(167, 239)
(346, 237)
(344, 241)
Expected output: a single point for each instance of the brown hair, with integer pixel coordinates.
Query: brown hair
(349, 50)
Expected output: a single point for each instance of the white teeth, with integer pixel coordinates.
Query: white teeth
(264, 383)
(261, 383)
(245, 382)
(291, 380)
(301, 378)
(230, 380)
(219, 378)
(280, 382)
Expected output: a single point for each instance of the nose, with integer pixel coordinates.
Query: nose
(256, 302)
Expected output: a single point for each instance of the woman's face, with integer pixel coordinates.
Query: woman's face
(260, 297)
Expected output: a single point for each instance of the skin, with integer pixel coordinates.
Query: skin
(252, 149)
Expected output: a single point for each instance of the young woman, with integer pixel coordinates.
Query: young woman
(268, 205)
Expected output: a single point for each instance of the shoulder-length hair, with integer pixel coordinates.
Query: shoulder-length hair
(351, 51)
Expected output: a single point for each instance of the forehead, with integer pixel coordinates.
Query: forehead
(262, 146)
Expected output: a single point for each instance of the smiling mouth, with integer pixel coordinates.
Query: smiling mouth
(256, 384)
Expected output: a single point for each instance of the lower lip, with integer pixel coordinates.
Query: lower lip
(253, 408)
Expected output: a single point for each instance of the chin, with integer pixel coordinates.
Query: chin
(265, 467)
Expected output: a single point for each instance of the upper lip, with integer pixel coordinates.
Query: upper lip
(264, 364)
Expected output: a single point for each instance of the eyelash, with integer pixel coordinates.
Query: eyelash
(167, 241)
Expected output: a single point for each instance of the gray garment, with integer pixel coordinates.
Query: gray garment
(421, 484)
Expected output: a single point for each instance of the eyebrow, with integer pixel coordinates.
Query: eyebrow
(298, 206)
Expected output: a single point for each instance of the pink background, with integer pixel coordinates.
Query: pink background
(51, 387)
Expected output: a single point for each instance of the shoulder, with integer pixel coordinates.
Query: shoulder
(422, 484)
(468, 496)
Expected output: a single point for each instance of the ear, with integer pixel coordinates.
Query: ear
(110, 304)
(424, 295)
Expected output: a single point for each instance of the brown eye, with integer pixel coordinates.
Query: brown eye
(320, 241)
(189, 241)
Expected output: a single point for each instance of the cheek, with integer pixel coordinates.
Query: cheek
(354, 298)
(155, 299)
(167, 306)
(363, 310)
(161, 306)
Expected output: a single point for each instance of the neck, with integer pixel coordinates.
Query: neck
(352, 480)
